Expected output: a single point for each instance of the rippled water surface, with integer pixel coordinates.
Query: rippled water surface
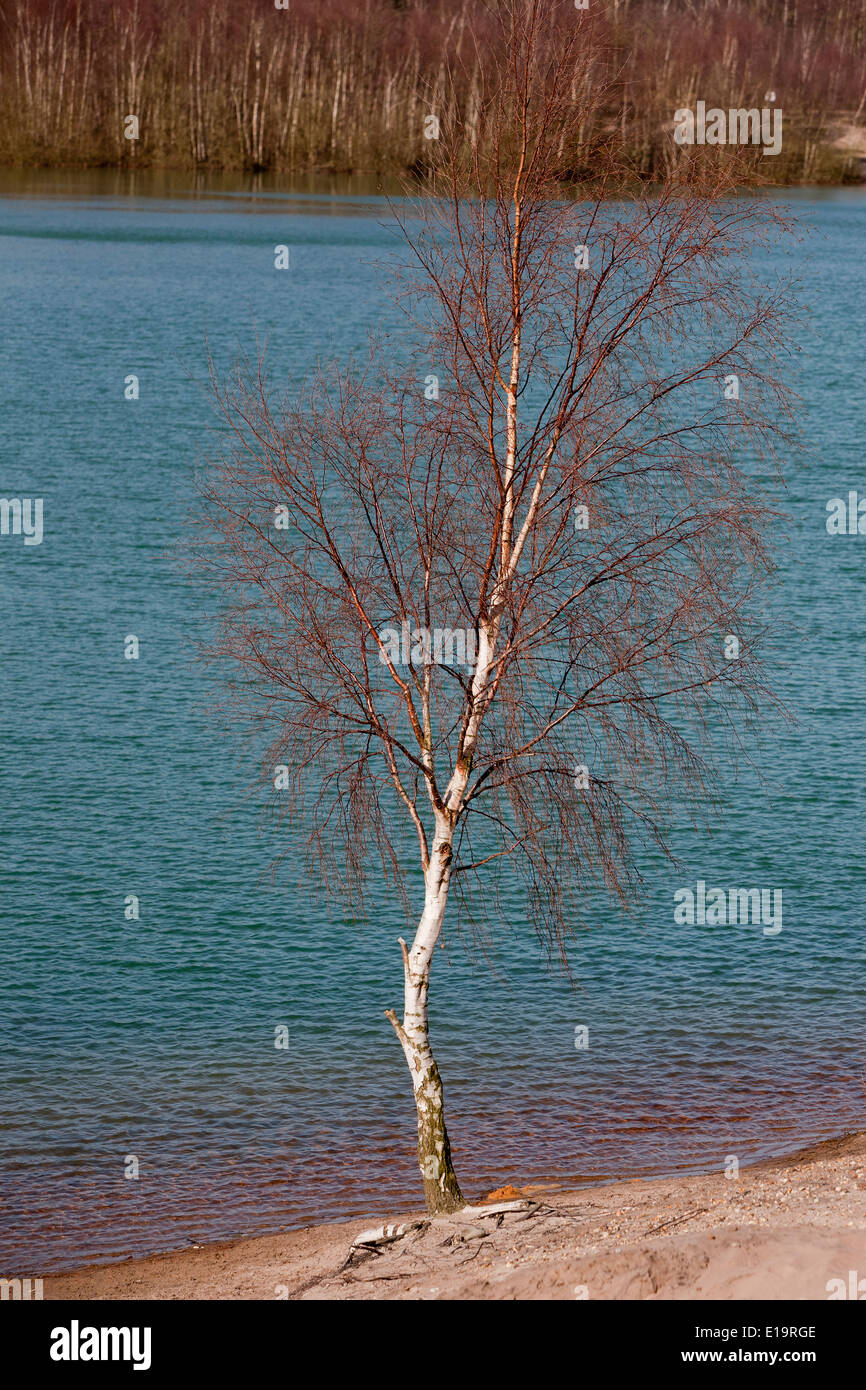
(155, 1038)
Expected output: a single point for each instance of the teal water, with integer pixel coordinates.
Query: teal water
(155, 1038)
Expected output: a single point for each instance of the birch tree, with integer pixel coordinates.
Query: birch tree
(478, 586)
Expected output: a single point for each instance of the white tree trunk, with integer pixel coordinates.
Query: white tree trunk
(434, 1151)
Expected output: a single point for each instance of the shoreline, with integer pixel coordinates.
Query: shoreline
(356, 182)
(783, 1228)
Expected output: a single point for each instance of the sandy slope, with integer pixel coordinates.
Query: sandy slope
(783, 1229)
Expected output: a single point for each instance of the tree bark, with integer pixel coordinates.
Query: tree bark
(441, 1187)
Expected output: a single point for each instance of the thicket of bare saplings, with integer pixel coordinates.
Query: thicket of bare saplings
(346, 87)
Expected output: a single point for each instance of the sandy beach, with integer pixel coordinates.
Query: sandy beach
(783, 1229)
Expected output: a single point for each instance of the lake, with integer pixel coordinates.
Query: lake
(148, 1045)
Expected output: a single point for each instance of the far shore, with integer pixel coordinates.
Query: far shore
(785, 1228)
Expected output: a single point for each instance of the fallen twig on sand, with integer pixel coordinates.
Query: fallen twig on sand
(676, 1221)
